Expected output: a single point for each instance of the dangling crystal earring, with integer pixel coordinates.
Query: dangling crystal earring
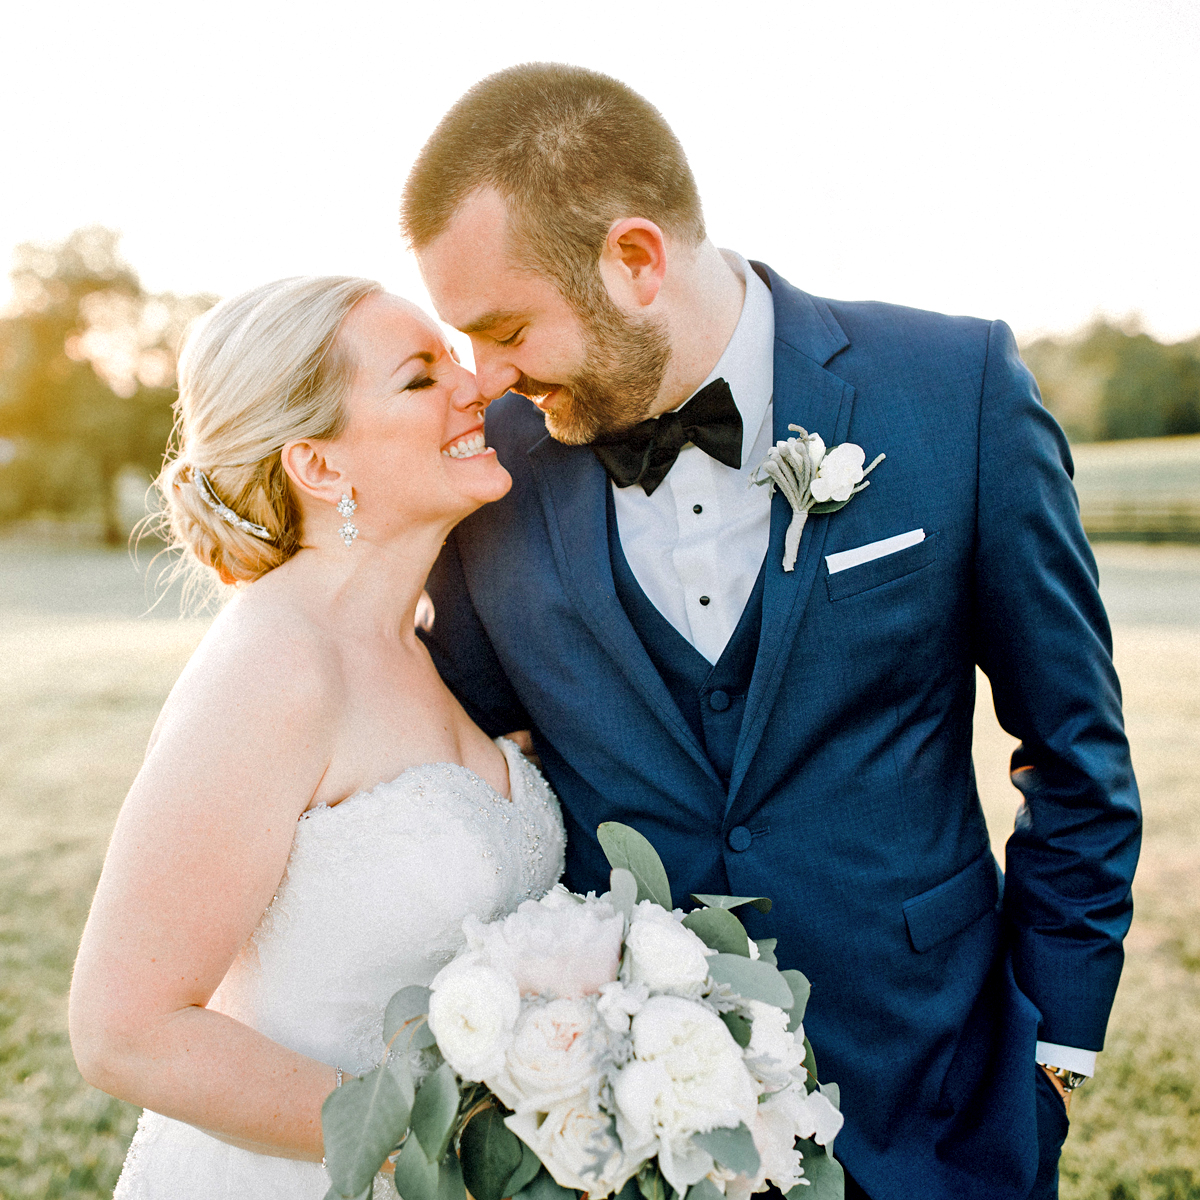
(349, 530)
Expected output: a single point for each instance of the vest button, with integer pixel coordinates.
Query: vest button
(697, 508)
(718, 701)
(739, 838)
(704, 601)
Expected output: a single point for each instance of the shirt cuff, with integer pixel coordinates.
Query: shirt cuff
(1082, 1062)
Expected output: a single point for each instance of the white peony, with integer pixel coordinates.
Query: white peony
(472, 1011)
(840, 471)
(552, 1057)
(687, 1077)
(664, 955)
(575, 1143)
(557, 946)
(774, 1053)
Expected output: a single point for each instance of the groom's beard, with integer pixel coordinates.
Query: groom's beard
(623, 368)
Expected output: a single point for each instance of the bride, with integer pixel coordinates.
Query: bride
(316, 813)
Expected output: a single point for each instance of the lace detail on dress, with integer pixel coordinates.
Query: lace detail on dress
(372, 899)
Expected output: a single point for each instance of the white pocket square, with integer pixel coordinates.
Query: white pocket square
(872, 550)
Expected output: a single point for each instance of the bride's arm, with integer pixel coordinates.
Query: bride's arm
(197, 853)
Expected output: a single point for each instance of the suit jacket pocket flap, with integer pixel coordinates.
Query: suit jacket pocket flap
(881, 570)
(949, 908)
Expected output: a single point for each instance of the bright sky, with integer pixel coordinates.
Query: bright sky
(1036, 160)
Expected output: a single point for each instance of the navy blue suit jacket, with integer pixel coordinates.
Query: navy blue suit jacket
(932, 977)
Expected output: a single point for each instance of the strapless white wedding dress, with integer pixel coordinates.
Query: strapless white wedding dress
(373, 899)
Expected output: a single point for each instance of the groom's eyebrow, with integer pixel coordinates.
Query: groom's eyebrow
(490, 321)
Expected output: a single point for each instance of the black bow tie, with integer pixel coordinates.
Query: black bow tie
(647, 451)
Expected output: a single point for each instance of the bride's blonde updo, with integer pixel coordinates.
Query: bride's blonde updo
(259, 370)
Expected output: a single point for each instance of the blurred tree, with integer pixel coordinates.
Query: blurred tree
(1115, 382)
(87, 378)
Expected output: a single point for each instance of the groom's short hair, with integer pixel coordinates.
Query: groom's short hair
(571, 151)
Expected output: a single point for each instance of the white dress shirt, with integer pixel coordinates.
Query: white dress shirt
(696, 544)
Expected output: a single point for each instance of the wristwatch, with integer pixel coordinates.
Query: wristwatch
(1070, 1080)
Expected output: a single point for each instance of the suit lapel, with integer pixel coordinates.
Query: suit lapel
(571, 485)
(806, 394)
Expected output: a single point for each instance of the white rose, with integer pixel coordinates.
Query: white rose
(773, 1053)
(569, 1140)
(841, 469)
(472, 1011)
(618, 1003)
(664, 955)
(552, 1056)
(560, 945)
(687, 1076)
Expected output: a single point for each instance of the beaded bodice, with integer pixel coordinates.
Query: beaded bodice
(374, 896)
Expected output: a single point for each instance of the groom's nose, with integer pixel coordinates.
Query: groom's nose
(494, 373)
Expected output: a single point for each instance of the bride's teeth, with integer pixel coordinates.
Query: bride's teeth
(468, 447)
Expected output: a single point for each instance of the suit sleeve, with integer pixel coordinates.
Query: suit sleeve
(1043, 640)
(462, 652)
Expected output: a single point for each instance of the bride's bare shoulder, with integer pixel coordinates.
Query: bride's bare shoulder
(264, 664)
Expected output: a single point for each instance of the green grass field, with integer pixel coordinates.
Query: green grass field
(81, 681)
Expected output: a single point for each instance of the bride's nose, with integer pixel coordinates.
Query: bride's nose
(466, 394)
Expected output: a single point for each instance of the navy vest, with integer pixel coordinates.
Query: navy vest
(712, 698)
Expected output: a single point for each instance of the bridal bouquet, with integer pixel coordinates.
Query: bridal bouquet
(608, 1045)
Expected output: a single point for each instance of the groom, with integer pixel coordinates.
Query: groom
(799, 733)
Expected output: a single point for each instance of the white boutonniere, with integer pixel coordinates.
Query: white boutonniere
(813, 479)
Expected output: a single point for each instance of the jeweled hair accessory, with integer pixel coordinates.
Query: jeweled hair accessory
(347, 507)
(202, 485)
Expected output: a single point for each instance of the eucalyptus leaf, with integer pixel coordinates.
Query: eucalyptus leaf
(525, 1173)
(651, 1183)
(739, 1027)
(732, 1148)
(766, 950)
(810, 1065)
(762, 903)
(720, 930)
(543, 1186)
(705, 1190)
(434, 1112)
(826, 1179)
(406, 1011)
(751, 980)
(828, 506)
(833, 1094)
(623, 891)
(401, 1069)
(416, 1176)
(624, 847)
(629, 1190)
(490, 1154)
(801, 989)
(361, 1122)
(450, 1184)
(365, 1194)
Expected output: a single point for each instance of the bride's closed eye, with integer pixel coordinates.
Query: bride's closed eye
(422, 381)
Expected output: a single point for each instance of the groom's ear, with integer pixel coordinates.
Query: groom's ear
(311, 472)
(633, 262)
